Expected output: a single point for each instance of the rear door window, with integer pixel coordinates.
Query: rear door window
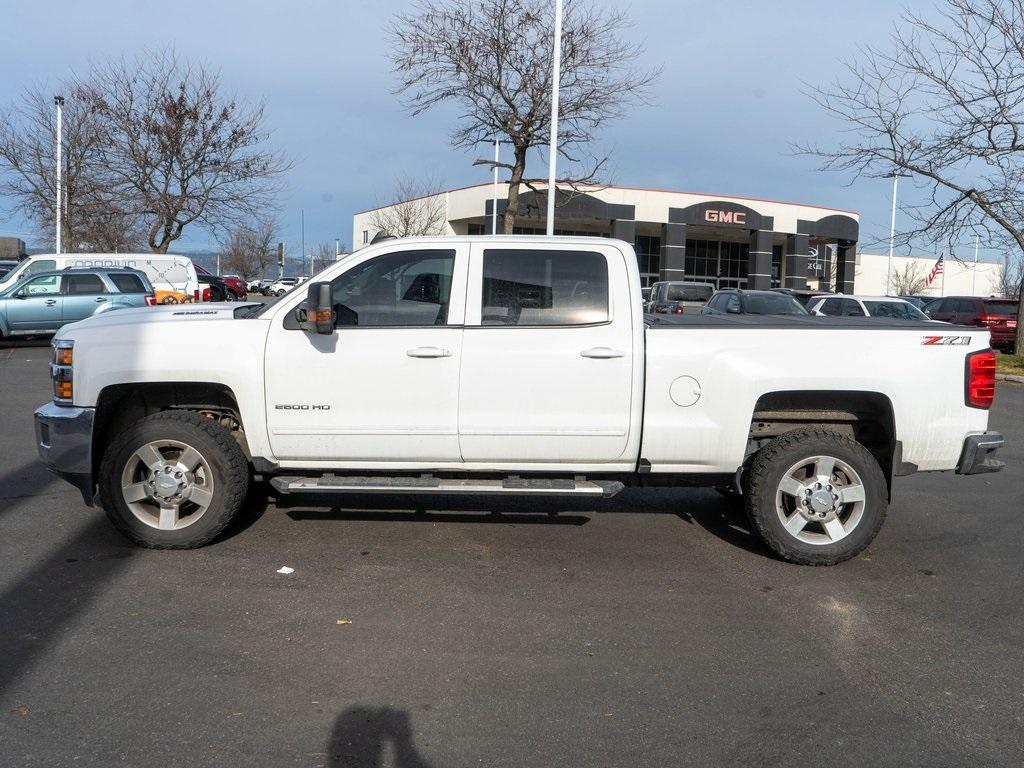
(830, 307)
(127, 283)
(851, 308)
(544, 288)
(77, 285)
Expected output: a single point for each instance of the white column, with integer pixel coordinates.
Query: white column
(494, 204)
(556, 70)
(59, 102)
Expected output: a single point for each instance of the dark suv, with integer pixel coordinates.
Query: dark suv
(998, 315)
(742, 302)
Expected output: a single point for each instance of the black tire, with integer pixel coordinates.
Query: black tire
(762, 484)
(227, 462)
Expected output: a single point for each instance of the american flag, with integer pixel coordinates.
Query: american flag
(936, 270)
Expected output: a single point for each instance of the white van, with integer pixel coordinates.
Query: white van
(173, 277)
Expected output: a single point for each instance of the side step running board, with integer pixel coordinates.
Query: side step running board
(330, 483)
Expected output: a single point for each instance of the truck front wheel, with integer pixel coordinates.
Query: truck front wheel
(815, 497)
(173, 480)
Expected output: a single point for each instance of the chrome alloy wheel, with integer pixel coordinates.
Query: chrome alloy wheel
(167, 484)
(820, 500)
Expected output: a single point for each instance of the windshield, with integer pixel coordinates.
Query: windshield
(683, 292)
(1001, 308)
(769, 304)
(900, 310)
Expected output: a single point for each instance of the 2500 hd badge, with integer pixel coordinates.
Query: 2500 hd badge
(302, 407)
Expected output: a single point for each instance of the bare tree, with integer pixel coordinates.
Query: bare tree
(91, 219)
(493, 59)
(944, 102)
(322, 257)
(178, 147)
(911, 280)
(249, 249)
(417, 208)
(1011, 278)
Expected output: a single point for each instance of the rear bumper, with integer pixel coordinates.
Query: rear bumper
(978, 454)
(64, 442)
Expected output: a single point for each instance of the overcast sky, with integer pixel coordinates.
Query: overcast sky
(728, 103)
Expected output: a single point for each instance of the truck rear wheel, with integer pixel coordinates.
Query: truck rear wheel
(173, 480)
(815, 497)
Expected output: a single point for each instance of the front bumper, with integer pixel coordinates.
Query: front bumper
(64, 442)
(978, 452)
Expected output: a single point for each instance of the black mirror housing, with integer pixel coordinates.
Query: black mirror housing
(315, 314)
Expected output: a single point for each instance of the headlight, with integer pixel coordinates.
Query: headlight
(62, 371)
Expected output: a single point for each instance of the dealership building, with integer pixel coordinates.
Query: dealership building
(729, 241)
(726, 240)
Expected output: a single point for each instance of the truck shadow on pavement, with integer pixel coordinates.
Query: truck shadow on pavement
(362, 737)
(721, 517)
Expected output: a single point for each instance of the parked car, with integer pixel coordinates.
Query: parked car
(512, 365)
(44, 302)
(235, 287)
(866, 306)
(736, 301)
(678, 297)
(998, 315)
(257, 285)
(173, 277)
(281, 286)
(213, 288)
(6, 265)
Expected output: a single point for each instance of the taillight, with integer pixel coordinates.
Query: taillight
(150, 300)
(206, 294)
(196, 296)
(678, 310)
(980, 379)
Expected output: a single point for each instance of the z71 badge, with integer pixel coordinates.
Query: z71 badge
(946, 341)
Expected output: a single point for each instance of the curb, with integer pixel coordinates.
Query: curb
(1010, 377)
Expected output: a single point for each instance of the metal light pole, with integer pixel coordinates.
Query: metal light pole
(59, 103)
(974, 272)
(556, 69)
(302, 251)
(494, 205)
(337, 249)
(892, 229)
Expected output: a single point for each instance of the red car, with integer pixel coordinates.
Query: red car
(998, 315)
(236, 286)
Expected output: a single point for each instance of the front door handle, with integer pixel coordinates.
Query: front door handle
(429, 352)
(99, 299)
(50, 302)
(602, 353)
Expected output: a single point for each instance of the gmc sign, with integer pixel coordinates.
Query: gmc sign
(726, 217)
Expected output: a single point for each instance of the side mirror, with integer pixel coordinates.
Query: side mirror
(21, 294)
(315, 315)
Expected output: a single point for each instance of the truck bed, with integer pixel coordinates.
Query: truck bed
(798, 322)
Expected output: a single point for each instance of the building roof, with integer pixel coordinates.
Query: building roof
(599, 187)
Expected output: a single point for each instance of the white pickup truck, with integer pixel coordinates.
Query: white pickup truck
(509, 365)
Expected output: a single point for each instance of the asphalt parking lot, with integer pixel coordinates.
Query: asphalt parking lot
(647, 630)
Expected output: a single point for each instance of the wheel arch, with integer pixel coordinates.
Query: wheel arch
(865, 416)
(119, 405)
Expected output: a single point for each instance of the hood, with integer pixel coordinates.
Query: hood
(162, 313)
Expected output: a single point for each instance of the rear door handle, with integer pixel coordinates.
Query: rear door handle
(602, 353)
(50, 302)
(429, 352)
(99, 299)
